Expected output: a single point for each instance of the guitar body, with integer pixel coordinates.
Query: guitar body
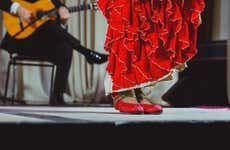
(12, 23)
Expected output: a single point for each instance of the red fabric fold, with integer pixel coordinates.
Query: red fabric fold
(146, 39)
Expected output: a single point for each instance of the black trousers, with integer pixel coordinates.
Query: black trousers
(50, 42)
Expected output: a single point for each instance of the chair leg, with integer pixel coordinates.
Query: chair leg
(51, 84)
(14, 83)
(7, 82)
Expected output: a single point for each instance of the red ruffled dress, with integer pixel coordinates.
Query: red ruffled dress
(148, 39)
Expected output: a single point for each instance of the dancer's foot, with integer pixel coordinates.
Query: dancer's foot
(126, 102)
(145, 102)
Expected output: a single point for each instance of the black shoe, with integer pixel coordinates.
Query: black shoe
(58, 103)
(93, 57)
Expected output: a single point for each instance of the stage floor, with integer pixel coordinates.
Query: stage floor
(108, 115)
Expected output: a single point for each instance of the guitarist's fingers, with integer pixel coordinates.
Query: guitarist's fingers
(24, 14)
(64, 13)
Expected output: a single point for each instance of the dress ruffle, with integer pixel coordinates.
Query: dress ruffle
(146, 39)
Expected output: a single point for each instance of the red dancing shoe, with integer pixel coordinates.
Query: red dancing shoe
(152, 108)
(124, 107)
(148, 108)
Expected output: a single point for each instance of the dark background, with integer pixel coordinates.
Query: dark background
(204, 81)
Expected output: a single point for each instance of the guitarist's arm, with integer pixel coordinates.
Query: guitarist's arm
(63, 12)
(5, 5)
(63, 15)
(15, 9)
(58, 3)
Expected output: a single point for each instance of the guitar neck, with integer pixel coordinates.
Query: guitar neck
(73, 9)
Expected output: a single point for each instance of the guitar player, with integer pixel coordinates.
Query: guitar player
(50, 41)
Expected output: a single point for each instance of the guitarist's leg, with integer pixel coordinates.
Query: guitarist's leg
(60, 54)
(62, 34)
(63, 59)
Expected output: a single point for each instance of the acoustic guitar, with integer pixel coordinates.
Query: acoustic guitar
(42, 11)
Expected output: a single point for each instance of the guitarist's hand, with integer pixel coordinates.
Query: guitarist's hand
(64, 14)
(25, 14)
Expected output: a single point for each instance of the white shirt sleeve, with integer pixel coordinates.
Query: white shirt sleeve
(14, 8)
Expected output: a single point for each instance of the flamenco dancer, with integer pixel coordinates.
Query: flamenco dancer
(147, 40)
